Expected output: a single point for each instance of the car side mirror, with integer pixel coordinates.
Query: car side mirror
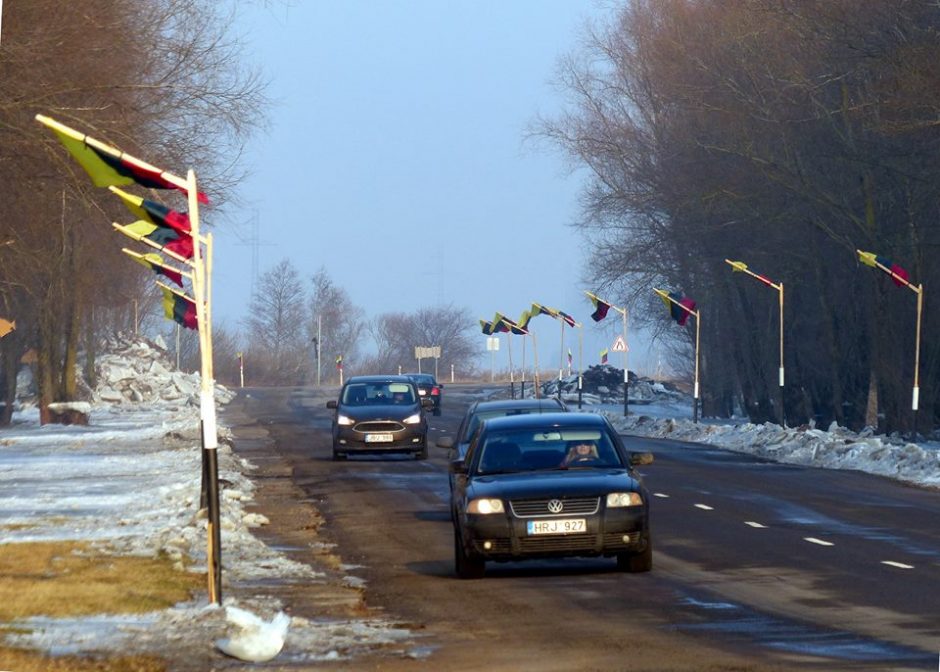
(457, 467)
(331, 403)
(639, 459)
(427, 402)
(445, 442)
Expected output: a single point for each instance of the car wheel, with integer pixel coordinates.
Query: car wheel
(468, 566)
(636, 562)
(337, 456)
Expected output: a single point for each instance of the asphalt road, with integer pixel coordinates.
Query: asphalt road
(757, 566)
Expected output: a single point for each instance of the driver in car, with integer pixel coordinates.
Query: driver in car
(581, 453)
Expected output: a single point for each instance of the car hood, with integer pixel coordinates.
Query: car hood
(573, 482)
(383, 412)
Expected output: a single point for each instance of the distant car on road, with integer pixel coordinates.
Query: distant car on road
(379, 414)
(484, 410)
(430, 388)
(549, 485)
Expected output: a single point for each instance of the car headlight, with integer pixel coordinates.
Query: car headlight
(344, 420)
(485, 506)
(412, 419)
(617, 499)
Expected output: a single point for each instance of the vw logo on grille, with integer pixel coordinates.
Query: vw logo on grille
(555, 505)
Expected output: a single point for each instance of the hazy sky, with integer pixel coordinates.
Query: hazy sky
(396, 159)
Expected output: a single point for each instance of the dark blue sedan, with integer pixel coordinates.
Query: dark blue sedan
(549, 485)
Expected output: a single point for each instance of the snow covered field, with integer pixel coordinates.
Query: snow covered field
(130, 482)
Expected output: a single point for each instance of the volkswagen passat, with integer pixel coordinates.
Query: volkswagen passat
(549, 485)
(379, 414)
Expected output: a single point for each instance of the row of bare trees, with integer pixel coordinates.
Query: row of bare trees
(288, 317)
(163, 81)
(786, 134)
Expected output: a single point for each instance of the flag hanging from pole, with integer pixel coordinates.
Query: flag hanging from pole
(339, 362)
(600, 308)
(167, 239)
(899, 276)
(741, 267)
(604, 356)
(487, 327)
(570, 321)
(108, 166)
(539, 309)
(180, 309)
(680, 313)
(153, 212)
(523, 322)
(570, 358)
(155, 264)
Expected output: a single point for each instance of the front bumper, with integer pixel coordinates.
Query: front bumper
(503, 537)
(405, 440)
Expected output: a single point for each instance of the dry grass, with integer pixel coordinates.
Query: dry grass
(70, 579)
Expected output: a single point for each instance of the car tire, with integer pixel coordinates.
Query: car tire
(338, 456)
(636, 563)
(467, 565)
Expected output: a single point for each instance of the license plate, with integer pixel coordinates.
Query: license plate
(560, 526)
(379, 438)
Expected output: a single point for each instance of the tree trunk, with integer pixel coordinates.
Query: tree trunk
(871, 409)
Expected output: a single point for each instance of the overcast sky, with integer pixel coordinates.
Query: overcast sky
(396, 160)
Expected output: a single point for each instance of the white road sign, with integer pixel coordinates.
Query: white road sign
(619, 345)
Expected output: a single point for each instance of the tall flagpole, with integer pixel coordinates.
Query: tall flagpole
(580, 363)
(742, 267)
(919, 290)
(535, 358)
(206, 396)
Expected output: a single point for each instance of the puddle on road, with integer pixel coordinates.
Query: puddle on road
(738, 621)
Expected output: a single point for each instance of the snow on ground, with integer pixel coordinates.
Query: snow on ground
(130, 482)
(659, 412)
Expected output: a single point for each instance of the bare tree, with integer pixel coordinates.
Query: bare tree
(337, 322)
(277, 316)
(453, 329)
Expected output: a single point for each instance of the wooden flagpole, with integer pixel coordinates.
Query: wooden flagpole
(741, 266)
(206, 402)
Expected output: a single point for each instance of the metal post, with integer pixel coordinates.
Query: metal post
(319, 341)
(451, 373)
(626, 372)
(580, 364)
(915, 398)
(783, 396)
(695, 396)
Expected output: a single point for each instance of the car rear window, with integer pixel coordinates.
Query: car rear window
(503, 452)
(365, 394)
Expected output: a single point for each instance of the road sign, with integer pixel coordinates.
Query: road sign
(492, 342)
(619, 345)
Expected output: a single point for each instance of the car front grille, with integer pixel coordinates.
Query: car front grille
(373, 427)
(538, 508)
(565, 543)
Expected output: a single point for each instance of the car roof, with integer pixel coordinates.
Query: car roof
(558, 420)
(420, 375)
(550, 404)
(391, 378)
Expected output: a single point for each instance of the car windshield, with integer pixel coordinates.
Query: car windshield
(422, 379)
(531, 450)
(368, 394)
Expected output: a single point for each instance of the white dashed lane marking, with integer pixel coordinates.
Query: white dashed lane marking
(751, 523)
(821, 542)
(899, 565)
(704, 507)
(661, 494)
